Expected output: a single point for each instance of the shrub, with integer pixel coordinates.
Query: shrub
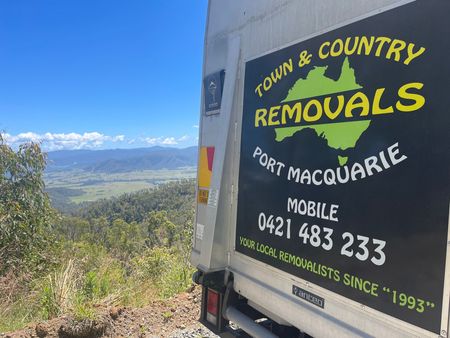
(166, 268)
(25, 211)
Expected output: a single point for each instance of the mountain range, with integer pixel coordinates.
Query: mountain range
(122, 160)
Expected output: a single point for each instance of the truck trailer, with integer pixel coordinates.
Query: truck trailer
(322, 203)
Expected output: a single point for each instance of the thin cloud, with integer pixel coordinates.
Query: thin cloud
(152, 140)
(195, 126)
(66, 141)
(166, 141)
(92, 140)
(169, 141)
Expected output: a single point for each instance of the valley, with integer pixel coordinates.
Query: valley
(79, 176)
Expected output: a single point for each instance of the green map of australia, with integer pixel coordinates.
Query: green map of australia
(339, 136)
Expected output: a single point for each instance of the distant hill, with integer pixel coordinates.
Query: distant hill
(122, 160)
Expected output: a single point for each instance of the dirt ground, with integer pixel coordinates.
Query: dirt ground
(175, 317)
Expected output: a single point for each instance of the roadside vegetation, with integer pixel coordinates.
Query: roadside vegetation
(127, 250)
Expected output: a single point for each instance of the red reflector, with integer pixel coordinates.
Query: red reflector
(213, 302)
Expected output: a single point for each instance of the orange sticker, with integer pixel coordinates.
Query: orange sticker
(205, 166)
(203, 196)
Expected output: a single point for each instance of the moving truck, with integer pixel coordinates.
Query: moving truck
(323, 177)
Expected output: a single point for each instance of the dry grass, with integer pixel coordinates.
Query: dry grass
(59, 291)
(15, 300)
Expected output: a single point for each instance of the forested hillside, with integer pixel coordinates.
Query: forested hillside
(127, 250)
(174, 197)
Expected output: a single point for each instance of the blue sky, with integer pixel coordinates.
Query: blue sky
(101, 73)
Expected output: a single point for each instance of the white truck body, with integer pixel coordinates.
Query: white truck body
(237, 33)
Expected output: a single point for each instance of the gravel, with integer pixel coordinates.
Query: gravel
(193, 332)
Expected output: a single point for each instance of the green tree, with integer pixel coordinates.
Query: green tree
(25, 211)
(160, 230)
(124, 238)
(97, 231)
(73, 228)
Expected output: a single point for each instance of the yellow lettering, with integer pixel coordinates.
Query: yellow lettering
(418, 100)
(273, 113)
(287, 110)
(366, 45)
(267, 83)
(381, 41)
(287, 66)
(260, 116)
(409, 99)
(396, 47)
(258, 90)
(322, 55)
(358, 100)
(347, 49)
(278, 74)
(317, 116)
(332, 115)
(340, 45)
(412, 55)
(376, 109)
